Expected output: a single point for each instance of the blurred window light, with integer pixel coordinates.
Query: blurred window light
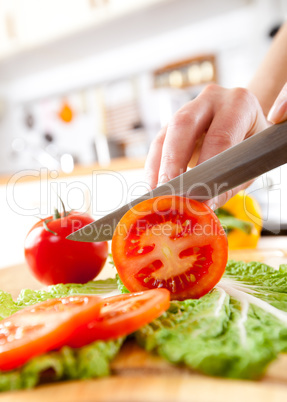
(186, 73)
(176, 79)
(194, 74)
(18, 144)
(165, 108)
(207, 71)
(67, 163)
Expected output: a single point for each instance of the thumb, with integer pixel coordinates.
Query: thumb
(278, 111)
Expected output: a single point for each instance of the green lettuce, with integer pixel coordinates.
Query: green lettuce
(102, 287)
(234, 331)
(229, 222)
(89, 361)
(121, 286)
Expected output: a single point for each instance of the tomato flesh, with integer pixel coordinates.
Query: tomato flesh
(200, 260)
(43, 327)
(170, 242)
(122, 315)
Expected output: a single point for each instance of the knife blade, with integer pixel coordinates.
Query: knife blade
(242, 162)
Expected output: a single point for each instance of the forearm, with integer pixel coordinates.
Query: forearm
(272, 73)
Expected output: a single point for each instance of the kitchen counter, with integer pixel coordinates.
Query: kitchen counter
(271, 250)
(139, 376)
(116, 164)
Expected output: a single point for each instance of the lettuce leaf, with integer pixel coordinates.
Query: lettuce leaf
(121, 286)
(102, 287)
(234, 331)
(66, 364)
(89, 361)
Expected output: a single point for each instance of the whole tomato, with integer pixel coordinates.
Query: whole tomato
(54, 259)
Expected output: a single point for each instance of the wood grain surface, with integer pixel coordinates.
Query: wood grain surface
(141, 377)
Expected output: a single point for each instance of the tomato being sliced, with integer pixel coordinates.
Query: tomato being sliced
(43, 327)
(122, 315)
(170, 242)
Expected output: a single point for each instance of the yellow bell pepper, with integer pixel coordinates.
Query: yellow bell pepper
(242, 217)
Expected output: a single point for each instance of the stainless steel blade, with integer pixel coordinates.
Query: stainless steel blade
(249, 159)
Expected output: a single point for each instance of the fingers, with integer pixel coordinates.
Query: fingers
(239, 117)
(188, 124)
(226, 116)
(153, 159)
(278, 111)
(222, 199)
(221, 136)
(172, 149)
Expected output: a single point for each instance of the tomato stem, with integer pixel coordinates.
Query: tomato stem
(63, 206)
(56, 214)
(46, 227)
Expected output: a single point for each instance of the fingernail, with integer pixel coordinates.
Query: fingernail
(163, 179)
(278, 112)
(213, 207)
(211, 204)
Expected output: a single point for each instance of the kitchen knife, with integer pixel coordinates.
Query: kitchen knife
(245, 161)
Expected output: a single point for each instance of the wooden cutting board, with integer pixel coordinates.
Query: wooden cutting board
(140, 377)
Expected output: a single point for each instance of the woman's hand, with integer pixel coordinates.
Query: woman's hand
(278, 111)
(225, 116)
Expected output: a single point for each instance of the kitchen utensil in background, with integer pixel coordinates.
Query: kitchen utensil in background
(66, 113)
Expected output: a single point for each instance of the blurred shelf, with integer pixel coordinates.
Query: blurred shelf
(116, 43)
(28, 30)
(117, 164)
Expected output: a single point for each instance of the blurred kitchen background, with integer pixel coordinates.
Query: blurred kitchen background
(85, 85)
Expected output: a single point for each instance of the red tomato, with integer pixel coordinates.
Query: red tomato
(54, 259)
(43, 327)
(122, 315)
(170, 242)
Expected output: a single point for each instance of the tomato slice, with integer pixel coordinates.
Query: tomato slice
(170, 242)
(43, 327)
(122, 315)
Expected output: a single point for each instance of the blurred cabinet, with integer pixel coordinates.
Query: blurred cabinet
(42, 20)
(7, 26)
(28, 23)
